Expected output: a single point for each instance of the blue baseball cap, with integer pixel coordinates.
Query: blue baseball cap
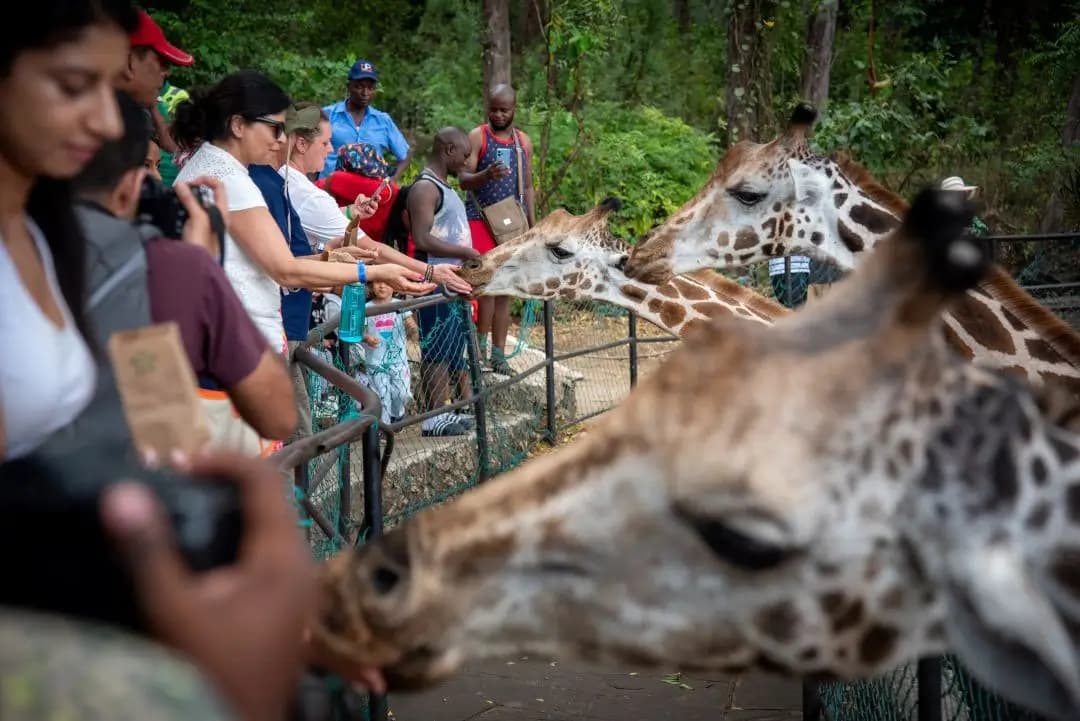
(363, 69)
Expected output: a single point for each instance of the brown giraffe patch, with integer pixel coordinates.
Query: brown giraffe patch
(746, 257)
(1072, 502)
(893, 598)
(655, 304)
(849, 618)
(535, 289)
(723, 239)
(1065, 452)
(552, 283)
(690, 291)
(831, 602)
(1065, 568)
(778, 621)
(957, 344)
(600, 287)
(817, 238)
(875, 220)
(745, 238)
(877, 644)
(853, 242)
(586, 284)
(1041, 350)
(710, 310)
(633, 292)
(672, 314)
(668, 289)
(1038, 516)
(767, 249)
(839, 199)
(1015, 322)
(983, 326)
(567, 293)
(769, 226)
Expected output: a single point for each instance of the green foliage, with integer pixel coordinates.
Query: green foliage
(653, 163)
(633, 103)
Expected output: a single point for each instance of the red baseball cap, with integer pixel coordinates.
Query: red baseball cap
(150, 35)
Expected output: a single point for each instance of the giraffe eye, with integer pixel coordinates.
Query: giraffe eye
(746, 197)
(734, 546)
(559, 253)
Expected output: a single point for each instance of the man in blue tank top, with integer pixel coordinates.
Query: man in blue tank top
(499, 166)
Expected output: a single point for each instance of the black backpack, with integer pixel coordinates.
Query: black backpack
(397, 229)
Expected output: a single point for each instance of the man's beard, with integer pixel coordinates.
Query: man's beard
(504, 126)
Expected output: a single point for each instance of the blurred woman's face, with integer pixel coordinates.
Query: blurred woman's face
(57, 105)
(320, 148)
(261, 139)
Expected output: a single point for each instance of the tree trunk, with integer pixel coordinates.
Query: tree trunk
(748, 69)
(496, 43)
(820, 32)
(1053, 218)
(682, 16)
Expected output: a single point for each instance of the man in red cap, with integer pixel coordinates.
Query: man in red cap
(149, 61)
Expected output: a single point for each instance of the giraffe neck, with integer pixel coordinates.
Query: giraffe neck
(1000, 325)
(697, 297)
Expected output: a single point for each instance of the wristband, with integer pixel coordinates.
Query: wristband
(348, 212)
(428, 272)
(361, 272)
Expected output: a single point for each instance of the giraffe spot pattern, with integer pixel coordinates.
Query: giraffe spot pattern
(535, 289)
(672, 314)
(853, 242)
(689, 290)
(1015, 322)
(1038, 516)
(874, 219)
(769, 226)
(668, 290)
(877, 644)
(778, 621)
(816, 238)
(1065, 568)
(745, 238)
(552, 283)
(710, 309)
(839, 199)
(1072, 502)
(1041, 350)
(851, 616)
(633, 292)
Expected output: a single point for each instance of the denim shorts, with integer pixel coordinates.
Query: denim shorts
(444, 332)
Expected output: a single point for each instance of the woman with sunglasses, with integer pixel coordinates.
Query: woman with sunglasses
(237, 123)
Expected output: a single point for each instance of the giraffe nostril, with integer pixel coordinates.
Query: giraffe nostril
(384, 580)
(472, 264)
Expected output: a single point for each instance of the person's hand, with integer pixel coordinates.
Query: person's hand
(364, 207)
(361, 255)
(447, 275)
(242, 624)
(496, 171)
(400, 279)
(334, 243)
(198, 229)
(371, 341)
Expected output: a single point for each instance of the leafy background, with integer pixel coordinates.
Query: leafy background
(636, 108)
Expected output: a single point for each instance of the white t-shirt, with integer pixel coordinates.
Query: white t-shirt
(258, 292)
(48, 375)
(319, 212)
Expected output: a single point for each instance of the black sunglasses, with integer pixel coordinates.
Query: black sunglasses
(277, 125)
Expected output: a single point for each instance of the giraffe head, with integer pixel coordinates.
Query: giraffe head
(833, 495)
(562, 256)
(767, 200)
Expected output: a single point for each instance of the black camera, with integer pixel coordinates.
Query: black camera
(159, 206)
(61, 559)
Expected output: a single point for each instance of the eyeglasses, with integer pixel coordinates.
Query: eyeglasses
(277, 125)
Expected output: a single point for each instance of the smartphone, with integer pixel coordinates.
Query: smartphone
(383, 185)
(504, 156)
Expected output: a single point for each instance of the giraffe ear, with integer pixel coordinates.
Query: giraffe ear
(1008, 632)
(810, 185)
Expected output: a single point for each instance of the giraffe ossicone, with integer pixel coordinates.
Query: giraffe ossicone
(835, 494)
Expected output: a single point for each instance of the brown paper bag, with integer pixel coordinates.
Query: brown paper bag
(158, 389)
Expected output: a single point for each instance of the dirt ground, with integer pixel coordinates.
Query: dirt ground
(530, 689)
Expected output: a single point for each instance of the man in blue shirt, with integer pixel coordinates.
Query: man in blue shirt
(353, 120)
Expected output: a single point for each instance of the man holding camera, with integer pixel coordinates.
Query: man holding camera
(138, 277)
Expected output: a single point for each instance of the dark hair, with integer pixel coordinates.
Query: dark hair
(52, 23)
(206, 114)
(117, 157)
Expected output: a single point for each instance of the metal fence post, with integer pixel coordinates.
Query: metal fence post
(549, 355)
(632, 334)
(479, 407)
(345, 463)
(928, 677)
(789, 298)
(811, 701)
